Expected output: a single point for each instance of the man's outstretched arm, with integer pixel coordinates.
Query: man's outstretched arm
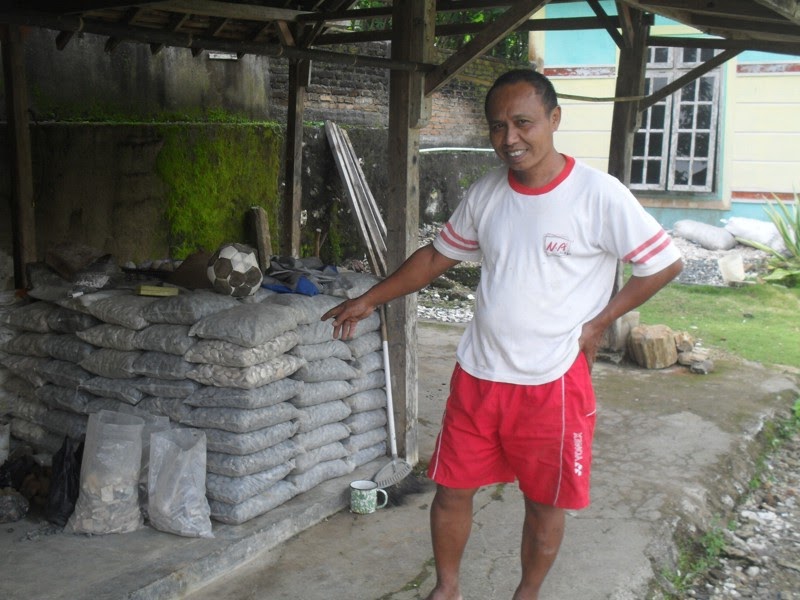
(419, 269)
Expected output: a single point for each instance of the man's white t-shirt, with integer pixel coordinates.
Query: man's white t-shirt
(549, 259)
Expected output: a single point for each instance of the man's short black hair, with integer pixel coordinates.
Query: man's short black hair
(539, 82)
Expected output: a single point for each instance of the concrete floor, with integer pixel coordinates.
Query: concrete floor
(672, 452)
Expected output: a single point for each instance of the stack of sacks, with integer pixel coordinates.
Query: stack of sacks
(284, 406)
(42, 357)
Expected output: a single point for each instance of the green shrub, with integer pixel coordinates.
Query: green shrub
(784, 268)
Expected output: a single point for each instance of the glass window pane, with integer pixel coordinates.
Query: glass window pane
(681, 172)
(684, 144)
(699, 172)
(686, 118)
(638, 143)
(657, 116)
(661, 55)
(655, 144)
(704, 116)
(659, 82)
(689, 55)
(653, 171)
(706, 89)
(706, 54)
(687, 91)
(637, 171)
(701, 145)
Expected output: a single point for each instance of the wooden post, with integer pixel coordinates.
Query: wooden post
(412, 40)
(624, 123)
(299, 71)
(23, 223)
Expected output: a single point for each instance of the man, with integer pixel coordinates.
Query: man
(549, 231)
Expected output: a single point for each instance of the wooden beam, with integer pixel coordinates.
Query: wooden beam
(402, 214)
(293, 164)
(23, 220)
(764, 46)
(230, 10)
(789, 9)
(605, 20)
(744, 9)
(519, 12)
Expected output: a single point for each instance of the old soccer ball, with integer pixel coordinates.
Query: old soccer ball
(233, 270)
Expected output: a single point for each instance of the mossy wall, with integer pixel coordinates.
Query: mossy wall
(213, 174)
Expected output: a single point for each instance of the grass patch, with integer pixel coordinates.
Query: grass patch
(755, 322)
(695, 558)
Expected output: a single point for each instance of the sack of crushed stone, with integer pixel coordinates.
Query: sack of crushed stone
(114, 364)
(114, 337)
(35, 435)
(187, 308)
(327, 369)
(233, 490)
(120, 389)
(227, 354)
(707, 236)
(332, 432)
(108, 501)
(160, 365)
(166, 388)
(258, 397)
(312, 394)
(319, 473)
(63, 373)
(122, 309)
(367, 363)
(359, 441)
(247, 377)
(309, 308)
(364, 421)
(366, 455)
(313, 417)
(65, 320)
(748, 230)
(69, 399)
(236, 514)
(27, 344)
(239, 420)
(234, 465)
(317, 332)
(29, 317)
(364, 344)
(307, 460)
(171, 339)
(367, 400)
(26, 367)
(350, 284)
(176, 486)
(247, 324)
(376, 379)
(228, 442)
(330, 348)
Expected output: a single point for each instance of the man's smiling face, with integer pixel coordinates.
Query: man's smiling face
(521, 130)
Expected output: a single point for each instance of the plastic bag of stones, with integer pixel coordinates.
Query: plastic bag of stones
(108, 501)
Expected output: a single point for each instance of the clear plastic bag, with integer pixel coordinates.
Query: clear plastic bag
(108, 501)
(177, 483)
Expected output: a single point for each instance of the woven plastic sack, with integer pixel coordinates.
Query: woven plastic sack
(67, 347)
(36, 435)
(707, 236)
(330, 348)
(239, 420)
(309, 308)
(318, 393)
(115, 337)
(376, 379)
(114, 364)
(364, 344)
(219, 352)
(166, 388)
(307, 460)
(187, 308)
(259, 397)
(247, 377)
(64, 320)
(112, 458)
(236, 514)
(332, 432)
(121, 389)
(367, 400)
(62, 373)
(66, 398)
(327, 369)
(228, 442)
(123, 309)
(29, 317)
(27, 344)
(366, 455)
(314, 417)
(369, 362)
(171, 339)
(247, 324)
(247, 464)
(161, 365)
(233, 490)
(25, 367)
(360, 441)
(319, 473)
(361, 422)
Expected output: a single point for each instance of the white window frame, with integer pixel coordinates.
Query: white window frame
(665, 65)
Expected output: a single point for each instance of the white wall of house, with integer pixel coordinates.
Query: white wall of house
(758, 135)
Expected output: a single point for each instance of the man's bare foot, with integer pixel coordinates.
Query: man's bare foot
(438, 594)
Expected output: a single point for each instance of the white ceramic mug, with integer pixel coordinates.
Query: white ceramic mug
(364, 497)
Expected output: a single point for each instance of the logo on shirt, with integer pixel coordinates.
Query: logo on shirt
(556, 245)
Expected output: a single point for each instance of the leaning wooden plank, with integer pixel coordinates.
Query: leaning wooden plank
(331, 130)
(368, 197)
(260, 225)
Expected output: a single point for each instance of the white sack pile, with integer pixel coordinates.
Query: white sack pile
(282, 405)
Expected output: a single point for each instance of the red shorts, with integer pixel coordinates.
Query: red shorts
(540, 435)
